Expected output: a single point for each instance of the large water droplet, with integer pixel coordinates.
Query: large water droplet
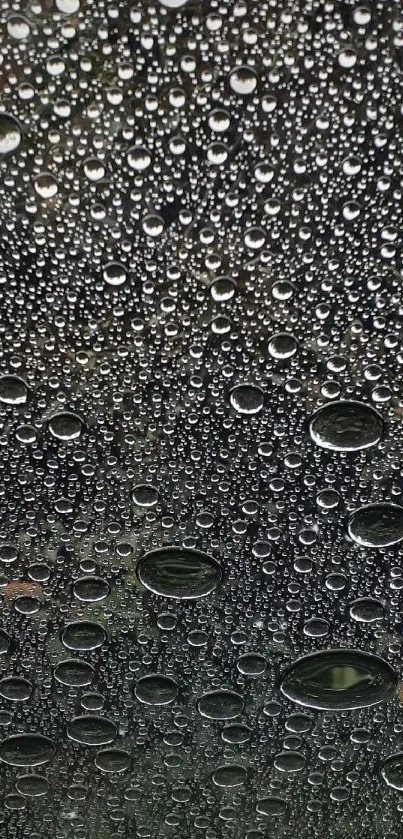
(32, 785)
(376, 525)
(92, 731)
(339, 679)
(10, 134)
(91, 589)
(247, 399)
(113, 760)
(229, 776)
(346, 426)
(15, 689)
(243, 80)
(179, 572)
(156, 689)
(26, 750)
(83, 635)
(65, 426)
(74, 673)
(271, 806)
(392, 771)
(13, 390)
(220, 705)
(145, 495)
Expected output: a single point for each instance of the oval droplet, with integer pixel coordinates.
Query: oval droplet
(83, 636)
(181, 573)
(339, 679)
(366, 610)
(392, 771)
(220, 705)
(247, 399)
(32, 785)
(74, 673)
(232, 775)
(5, 642)
(376, 525)
(289, 761)
(113, 760)
(92, 731)
(156, 689)
(271, 806)
(15, 689)
(26, 750)
(346, 426)
(145, 495)
(66, 426)
(13, 390)
(91, 589)
(10, 134)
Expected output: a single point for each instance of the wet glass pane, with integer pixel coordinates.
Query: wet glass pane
(201, 419)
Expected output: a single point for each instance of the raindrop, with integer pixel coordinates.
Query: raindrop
(346, 426)
(156, 689)
(392, 771)
(13, 390)
(15, 689)
(247, 399)
(220, 705)
(145, 495)
(271, 806)
(26, 750)
(283, 346)
(339, 679)
(113, 760)
(366, 610)
(74, 673)
(252, 664)
(92, 731)
(376, 525)
(180, 573)
(91, 589)
(229, 776)
(10, 134)
(83, 636)
(65, 426)
(243, 80)
(32, 785)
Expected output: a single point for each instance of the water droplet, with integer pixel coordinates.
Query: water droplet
(46, 185)
(15, 689)
(236, 734)
(83, 636)
(92, 731)
(114, 274)
(283, 346)
(252, 664)
(156, 689)
(113, 760)
(289, 761)
(179, 573)
(10, 134)
(26, 750)
(339, 679)
(27, 606)
(74, 673)
(366, 610)
(139, 158)
(243, 80)
(32, 785)
(346, 426)
(5, 642)
(91, 589)
(377, 525)
(392, 771)
(220, 705)
(229, 776)
(145, 495)
(65, 426)
(247, 399)
(13, 390)
(271, 806)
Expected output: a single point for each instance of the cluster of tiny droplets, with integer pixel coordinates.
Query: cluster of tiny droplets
(200, 216)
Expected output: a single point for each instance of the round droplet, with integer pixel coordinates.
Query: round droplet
(156, 689)
(289, 761)
(5, 642)
(113, 760)
(345, 426)
(74, 673)
(83, 635)
(339, 679)
(283, 346)
(65, 426)
(10, 134)
(243, 81)
(222, 289)
(180, 573)
(91, 589)
(8, 554)
(92, 731)
(32, 785)
(15, 689)
(114, 274)
(376, 525)
(252, 664)
(13, 390)
(247, 399)
(229, 776)
(139, 158)
(26, 750)
(392, 771)
(46, 185)
(366, 610)
(145, 495)
(220, 705)
(271, 806)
